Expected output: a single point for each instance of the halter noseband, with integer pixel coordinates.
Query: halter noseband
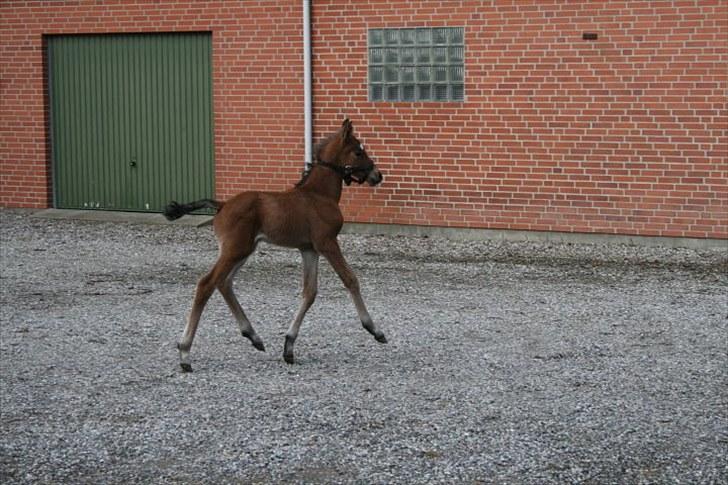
(347, 172)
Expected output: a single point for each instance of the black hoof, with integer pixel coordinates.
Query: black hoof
(185, 367)
(288, 350)
(257, 343)
(381, 338)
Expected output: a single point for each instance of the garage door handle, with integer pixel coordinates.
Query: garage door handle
(132, 163)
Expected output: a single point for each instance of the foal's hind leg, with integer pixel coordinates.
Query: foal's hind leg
(204, 290)
(246, 328)
(219, 277)
(310, 287)
(332, 253)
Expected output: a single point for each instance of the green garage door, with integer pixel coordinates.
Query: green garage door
(131, 120)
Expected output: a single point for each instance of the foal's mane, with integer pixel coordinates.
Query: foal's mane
(317, 149)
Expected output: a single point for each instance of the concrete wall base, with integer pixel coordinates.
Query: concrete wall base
(465, 234)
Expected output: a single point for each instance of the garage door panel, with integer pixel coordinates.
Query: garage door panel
(131, 120)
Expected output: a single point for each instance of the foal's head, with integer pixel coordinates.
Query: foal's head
(346, 152)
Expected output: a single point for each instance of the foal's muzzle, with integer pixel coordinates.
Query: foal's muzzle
(375, 177)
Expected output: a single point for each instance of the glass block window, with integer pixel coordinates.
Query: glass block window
(422, 64)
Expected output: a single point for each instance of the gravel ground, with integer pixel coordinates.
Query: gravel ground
(506, 363)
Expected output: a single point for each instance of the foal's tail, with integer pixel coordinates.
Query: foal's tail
(176, 210)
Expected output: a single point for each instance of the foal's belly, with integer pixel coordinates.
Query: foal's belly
(290, 230)
(296, 241)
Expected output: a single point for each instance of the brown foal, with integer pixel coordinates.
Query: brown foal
(306, 217)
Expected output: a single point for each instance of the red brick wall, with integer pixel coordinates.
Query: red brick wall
(624, 134)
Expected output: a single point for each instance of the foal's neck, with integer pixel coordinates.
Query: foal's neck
(323, 181)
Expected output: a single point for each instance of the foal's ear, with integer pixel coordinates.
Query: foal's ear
(346, 129)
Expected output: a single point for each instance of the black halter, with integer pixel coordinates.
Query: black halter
(348, 173)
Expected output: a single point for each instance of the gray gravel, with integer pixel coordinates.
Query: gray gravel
(507, 363)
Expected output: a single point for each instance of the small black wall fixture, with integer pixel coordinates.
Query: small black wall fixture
(589, 36)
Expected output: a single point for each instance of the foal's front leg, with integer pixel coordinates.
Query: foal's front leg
(310, 288)
(332, 252)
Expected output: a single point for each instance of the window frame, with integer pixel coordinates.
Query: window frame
(416, 64)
